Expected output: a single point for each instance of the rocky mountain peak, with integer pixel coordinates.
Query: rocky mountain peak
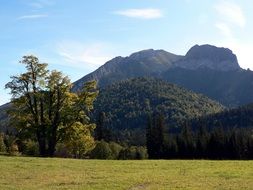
(208, 56)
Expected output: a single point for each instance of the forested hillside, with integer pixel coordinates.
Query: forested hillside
(126, 104)
(241, 117)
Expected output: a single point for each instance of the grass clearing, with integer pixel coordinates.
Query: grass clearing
(25, 173)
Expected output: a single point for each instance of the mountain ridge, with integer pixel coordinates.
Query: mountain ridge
(217, 69)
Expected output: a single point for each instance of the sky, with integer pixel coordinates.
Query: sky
(78, 36)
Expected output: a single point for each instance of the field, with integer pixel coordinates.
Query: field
(46, 173)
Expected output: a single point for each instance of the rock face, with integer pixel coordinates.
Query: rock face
(207, 56)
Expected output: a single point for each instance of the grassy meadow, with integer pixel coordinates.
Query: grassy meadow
(54, 173)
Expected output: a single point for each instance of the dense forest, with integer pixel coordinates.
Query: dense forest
(127, 103)
(217, 142)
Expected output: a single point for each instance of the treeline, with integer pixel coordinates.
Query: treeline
(201, 143)
(11, 145)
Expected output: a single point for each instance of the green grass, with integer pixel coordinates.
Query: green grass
(45, 173)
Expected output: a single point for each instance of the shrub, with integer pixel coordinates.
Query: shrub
(62, 151)
(30, 148)
(14, 150)
(102, 150)
(80, 147)
(2, 144)
(133, 153)
(115, 149)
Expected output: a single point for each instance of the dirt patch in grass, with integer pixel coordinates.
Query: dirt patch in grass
(141, 186)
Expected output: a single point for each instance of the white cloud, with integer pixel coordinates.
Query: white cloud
(141, 13)
(35, 16)
(231, 12)
(241, 49)
(224, 29)
(230, 18)
(86, 57)
(244, 54)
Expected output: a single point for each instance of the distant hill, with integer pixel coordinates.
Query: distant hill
(205, 69)
(127, 103)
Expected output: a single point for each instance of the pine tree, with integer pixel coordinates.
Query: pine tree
(202, 141)
(160, 135)
(149, 137)
(186, 143)
(99, 131)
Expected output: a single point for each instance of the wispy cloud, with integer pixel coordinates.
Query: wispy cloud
(224, 29)
(231, 12)
(141, 13)
(86, 57)
(34, 16)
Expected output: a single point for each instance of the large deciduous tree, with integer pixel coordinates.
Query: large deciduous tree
(45, 109)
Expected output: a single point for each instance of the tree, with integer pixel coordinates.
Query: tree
(149, 137)
(159, 135)
(155, 136)
(2, 144)
(102, 132)
(102, 151)
(186, 145)
(44, 108)
(216, 144)
(202, 142)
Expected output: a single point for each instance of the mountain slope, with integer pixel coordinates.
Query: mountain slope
(144, 63)
(127, 103)
(205, 69)
(231, 88)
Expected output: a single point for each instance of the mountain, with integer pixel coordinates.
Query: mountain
(128, 103)
(205, 69)
(210, 57)
(144, 63)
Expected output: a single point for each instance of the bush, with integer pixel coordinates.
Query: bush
(133, 153)
(102, 150)
(141, 153)
(81, 146)
(14, 150)
(62, 151)
(11, 145)
(2, 144)
(115, 149)
(30, 148)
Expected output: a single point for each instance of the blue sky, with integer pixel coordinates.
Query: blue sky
(77, 36)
